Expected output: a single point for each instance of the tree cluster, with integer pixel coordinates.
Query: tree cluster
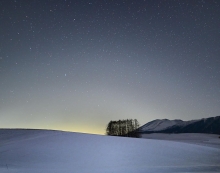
(123, 128)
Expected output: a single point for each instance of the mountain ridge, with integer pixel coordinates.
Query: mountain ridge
(205, 125)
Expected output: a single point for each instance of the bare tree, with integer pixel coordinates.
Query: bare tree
(123, 128)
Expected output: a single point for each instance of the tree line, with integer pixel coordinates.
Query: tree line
(123, 128)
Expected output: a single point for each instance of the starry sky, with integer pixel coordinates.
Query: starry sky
(74, 65)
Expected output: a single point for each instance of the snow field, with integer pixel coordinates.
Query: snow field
(66, 152)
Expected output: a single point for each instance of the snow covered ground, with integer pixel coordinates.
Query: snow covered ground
(39, 151)
(209, 140)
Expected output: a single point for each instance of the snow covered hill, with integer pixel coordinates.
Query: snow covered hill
(41, 151)
(205, 125)
(158, 125)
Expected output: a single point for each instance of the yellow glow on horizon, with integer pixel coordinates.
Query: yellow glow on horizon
(80, 128)
(64, 127)
(89, 131)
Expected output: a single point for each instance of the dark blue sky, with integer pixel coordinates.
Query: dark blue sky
(75, 65)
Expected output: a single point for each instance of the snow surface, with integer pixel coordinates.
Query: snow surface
(40, 151)
(209, 140)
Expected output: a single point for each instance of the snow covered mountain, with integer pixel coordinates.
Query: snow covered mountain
(205, 125)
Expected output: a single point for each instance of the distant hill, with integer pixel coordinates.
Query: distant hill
(206, 125)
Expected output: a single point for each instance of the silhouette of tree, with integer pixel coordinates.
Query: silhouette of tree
(126, 127)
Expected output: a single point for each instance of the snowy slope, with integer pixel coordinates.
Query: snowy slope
(25, 151)
(210, 140)
(157, 125)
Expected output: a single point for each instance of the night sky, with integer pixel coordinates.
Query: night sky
(75, 65)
